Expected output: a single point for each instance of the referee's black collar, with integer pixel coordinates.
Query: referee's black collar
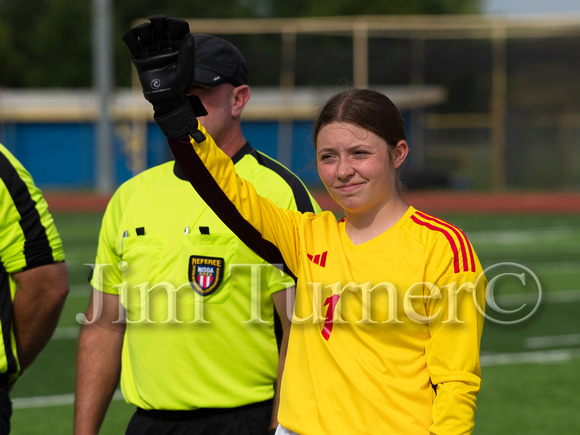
(246, 149)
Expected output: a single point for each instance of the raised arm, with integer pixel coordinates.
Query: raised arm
(219, 188)
(162, 52)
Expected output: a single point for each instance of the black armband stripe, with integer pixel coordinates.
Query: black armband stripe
(209, 190)
(37, 249)
(6, 319)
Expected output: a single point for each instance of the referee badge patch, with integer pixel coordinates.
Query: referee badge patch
(205, 273)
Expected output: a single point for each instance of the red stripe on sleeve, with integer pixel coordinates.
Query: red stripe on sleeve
(463, 242)
(470, 251)
(447, 235)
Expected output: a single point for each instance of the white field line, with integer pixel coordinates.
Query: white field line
(537, 357)
(68, 333)
(541, 357)
(552, 341)
(560, 297)
(514, 236)
(56, 400)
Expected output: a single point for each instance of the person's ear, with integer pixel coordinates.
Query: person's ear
(241, 96)
(399, 153)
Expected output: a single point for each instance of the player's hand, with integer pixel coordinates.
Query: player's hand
(163, 52)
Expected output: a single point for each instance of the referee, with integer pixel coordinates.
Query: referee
(33, 276)
(198, 352)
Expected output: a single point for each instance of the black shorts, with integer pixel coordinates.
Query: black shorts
(251, 419)
(5, 408)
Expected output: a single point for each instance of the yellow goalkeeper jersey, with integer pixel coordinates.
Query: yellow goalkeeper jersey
(386, 334)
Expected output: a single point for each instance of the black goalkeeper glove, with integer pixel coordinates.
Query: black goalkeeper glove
(163, 52)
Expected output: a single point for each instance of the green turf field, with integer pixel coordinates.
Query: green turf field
(530, 381)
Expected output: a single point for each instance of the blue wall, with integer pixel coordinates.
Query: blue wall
(62, 155)
(264, 137)
(59, 155)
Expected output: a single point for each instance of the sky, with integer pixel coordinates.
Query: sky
(510, 7)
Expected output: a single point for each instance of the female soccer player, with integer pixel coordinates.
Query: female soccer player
(389, 301)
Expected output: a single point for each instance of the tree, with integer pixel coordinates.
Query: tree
(47, 43)
(304, 8)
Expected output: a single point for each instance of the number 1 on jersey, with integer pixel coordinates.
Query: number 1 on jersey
(328, 321)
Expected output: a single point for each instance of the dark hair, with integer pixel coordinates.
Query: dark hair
(367, 109)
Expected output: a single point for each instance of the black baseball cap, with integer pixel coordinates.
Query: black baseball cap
(218, 61)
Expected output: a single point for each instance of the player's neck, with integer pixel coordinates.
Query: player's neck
(366, 226)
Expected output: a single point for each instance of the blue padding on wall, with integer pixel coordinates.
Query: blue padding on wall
(57, 155)
(62, 155)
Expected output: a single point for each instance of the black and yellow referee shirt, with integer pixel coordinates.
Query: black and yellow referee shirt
(28, 239)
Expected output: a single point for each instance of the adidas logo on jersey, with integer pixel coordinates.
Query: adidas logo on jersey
(318, 259)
